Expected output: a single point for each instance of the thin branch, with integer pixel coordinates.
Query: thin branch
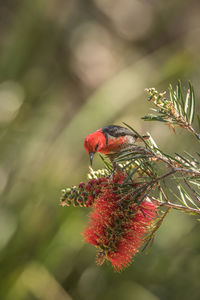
(151, 154)
(163, 176)
(192, 130)
(176, 206)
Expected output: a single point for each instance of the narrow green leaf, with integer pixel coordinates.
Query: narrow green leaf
(145, 195)
(161, 197)
(197, 194)
(192, 105)
(152, 142)
(171, 93)
(148, 167)
(154, 118)
(184, 159)
(163, 111)
(180, 93)
(198, 119)
(130, 163)
(172, 192)
(187, 100)
(148, 244)
(171, 158)
(195, 183)
(191, 200)
(128, 157)
(133, 173)
(192, 157)
(178, 100)
(188, 197)
(172, 97)
(182, 194)
(180, 162)
(106, 163)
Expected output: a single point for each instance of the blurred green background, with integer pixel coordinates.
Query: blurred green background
(68, 67)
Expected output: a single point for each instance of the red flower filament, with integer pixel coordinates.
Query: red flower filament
(117, 225)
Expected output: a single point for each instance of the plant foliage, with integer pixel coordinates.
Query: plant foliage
(120, 222)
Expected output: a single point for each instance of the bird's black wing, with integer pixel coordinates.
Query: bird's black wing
(117, 131)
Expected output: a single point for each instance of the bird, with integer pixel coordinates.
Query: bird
(110, 140)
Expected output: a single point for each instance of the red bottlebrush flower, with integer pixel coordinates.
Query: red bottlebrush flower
(84, 194)
(117, 225)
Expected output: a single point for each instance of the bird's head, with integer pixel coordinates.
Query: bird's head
(93, 143)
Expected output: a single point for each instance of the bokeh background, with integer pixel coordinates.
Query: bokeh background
(68, 67)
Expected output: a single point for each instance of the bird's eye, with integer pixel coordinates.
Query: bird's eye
(97, 145)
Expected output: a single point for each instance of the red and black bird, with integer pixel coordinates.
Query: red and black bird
(110, 140)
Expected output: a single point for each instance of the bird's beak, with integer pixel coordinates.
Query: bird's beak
(91, 154)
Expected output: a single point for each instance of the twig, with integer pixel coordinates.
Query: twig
(176, 206)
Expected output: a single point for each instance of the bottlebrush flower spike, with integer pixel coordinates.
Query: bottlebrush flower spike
(117, 225)
(85, 194)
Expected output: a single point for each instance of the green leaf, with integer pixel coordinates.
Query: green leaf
(180, 93)
(161, 197)
(178, 100)
(128, 157)
(148, 167)
(192, 104)
(106, 163)
(192, 157)
(180, 162)
(187, 99)
(145, 195)
(133, 173)
(198, 119)
(171, 158)
(172, 97)
(198, 194)
(171, 94)
(188, 196)
(131, 162)
(154, 118)
(184, 159)
(151, 142)
(172, 192)
(195, 183)
(182, 194)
